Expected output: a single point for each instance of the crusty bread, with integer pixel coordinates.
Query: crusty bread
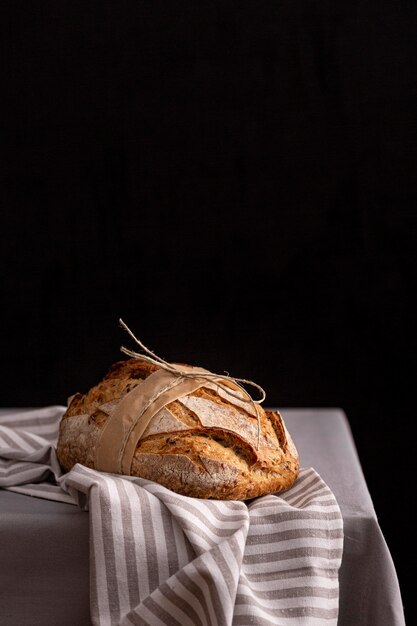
(202, 445)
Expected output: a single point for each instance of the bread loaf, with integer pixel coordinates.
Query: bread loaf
(205, 444)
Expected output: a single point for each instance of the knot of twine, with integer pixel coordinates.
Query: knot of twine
(219, 379)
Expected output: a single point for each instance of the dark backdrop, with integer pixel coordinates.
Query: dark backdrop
(234, 179)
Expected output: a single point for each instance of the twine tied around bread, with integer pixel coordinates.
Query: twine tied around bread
(180, 372)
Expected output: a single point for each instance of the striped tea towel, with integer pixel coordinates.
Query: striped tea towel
(159, 558)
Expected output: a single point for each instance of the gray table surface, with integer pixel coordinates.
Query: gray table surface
(44, 574)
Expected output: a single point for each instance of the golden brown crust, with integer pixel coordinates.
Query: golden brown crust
(202, 445)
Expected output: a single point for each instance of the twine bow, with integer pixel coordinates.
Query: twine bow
(219, 379)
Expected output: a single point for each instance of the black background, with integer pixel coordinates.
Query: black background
(237, 181)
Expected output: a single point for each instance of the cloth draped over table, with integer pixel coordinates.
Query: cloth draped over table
(160, 558)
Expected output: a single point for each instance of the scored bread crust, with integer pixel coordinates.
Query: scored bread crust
(201, 445)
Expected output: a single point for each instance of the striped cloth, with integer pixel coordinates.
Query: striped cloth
(159, 558)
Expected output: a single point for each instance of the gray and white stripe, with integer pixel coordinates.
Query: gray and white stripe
(28, 463)
(159, 558)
